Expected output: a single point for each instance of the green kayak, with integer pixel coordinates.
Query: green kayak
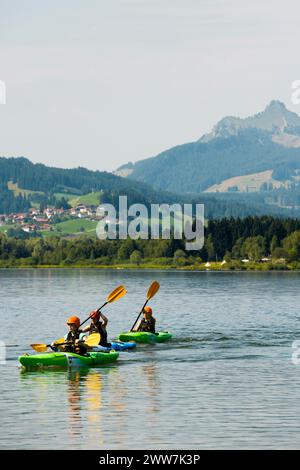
(60, 359)
(144, 337)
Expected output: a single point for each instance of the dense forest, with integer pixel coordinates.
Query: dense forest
(9, 203)
(229, 239)
(39, 177)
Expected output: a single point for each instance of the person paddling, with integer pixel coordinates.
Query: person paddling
(75, 336)
(98, 325)
(147, 323)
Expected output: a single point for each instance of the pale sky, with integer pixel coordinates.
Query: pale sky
(98, 83)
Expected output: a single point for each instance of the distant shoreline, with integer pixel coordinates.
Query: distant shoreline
(215, 267)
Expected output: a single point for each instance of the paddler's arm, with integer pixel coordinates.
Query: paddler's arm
(105, 320)
(137, 326)
(81, 339)
(154, 323)
(56, 347)
(86, 329)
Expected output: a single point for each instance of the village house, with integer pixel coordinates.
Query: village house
(83, 211)
(29, 228)
(51, 211)
(19, 218)
(45, 228)
(33, 212)
(40, 220)
(73, 212)
(48, 212)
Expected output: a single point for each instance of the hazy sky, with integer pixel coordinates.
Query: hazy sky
(98, 83)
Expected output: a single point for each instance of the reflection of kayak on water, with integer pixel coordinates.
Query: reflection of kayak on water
(145, 337)
(61, 359)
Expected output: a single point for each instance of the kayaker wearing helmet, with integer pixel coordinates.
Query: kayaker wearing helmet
(147, 323)
(74, 336)
(98, 325)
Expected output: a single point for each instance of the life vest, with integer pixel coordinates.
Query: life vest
(147, 325)
(98, 328)
(75, 348)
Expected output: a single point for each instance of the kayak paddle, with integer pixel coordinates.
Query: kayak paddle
(114, 295)
(151, 293)
(92, 340)
(43, 347)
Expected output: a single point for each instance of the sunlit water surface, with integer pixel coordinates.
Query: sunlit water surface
(226, 380)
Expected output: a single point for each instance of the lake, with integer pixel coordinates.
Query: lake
(225, 381)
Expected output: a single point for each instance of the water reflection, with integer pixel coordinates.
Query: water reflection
(74, 402)
(151, 373)
(84, 402)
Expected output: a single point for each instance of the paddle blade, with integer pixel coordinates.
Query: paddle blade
(93, 339)
(60, 340)
(152, 290)
(116, 294)
(43, 347)
(39, 347)
(151, 293)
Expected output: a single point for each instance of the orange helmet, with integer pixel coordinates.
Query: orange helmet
(148, 310)
(73, 321)
(94, 315)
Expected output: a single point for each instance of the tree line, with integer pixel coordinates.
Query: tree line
(230, 239)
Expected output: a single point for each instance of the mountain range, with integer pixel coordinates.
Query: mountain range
(268, 143)
(24, 184)
(242, 167)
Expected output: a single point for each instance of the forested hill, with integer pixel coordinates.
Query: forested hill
(39, 177)
(41, 184)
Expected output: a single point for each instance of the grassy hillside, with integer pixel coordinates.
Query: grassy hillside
(68, 196)
(4, 228)
(24, 192)
(245, 183)
(90, 199)
(72, 227)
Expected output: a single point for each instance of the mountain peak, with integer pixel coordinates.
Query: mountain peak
(276, 118)
(276, 104)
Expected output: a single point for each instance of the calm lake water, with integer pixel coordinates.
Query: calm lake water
(225, 381)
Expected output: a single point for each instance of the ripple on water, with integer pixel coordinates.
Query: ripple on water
(225, 380)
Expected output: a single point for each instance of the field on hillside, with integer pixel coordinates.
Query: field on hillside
(5, 227)
(73, 199)
(246, 183)
(24, 192)
(72, 227)
(90, 199)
